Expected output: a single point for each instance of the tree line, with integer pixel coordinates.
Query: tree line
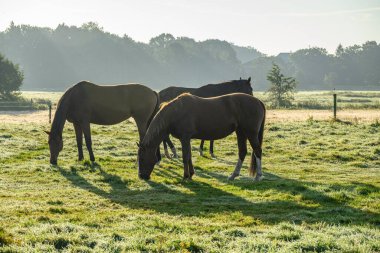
(54, 59)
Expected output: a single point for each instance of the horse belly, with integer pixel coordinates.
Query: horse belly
(215, 132)
(109, 117)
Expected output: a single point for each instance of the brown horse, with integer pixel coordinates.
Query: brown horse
(190, 117)
(206, 91)
(86, 103)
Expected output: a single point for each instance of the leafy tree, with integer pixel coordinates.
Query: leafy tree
(68, 54)
(339, 50)
(311, 66)
(282, 88)
(162, 40)
(10, 78)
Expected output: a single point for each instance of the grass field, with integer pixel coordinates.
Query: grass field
(320, 193)
(302, 99)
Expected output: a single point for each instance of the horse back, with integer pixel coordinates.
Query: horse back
(172, 92)
(237, 107)
(111, 104)
(214, 90)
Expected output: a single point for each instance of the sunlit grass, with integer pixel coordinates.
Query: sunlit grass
(320, 193)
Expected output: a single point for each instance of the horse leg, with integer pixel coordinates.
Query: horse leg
(79, 137)
(87, 136)
(191, 167)
(186, 158)
(212, 149)
(242, 145)
(201, 147)
(166, 148)
(172, 147)
(255, 168)
(158, 154)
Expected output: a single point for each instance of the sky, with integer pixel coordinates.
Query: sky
(271, 26)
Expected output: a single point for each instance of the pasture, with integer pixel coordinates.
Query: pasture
(320, 191)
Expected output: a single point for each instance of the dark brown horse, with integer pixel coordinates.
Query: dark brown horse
(206, 91)
(86, 103)
(190, 117)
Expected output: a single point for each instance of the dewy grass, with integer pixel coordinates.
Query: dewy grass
(320, 193)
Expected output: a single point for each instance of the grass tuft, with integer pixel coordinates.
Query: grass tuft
(5, 238)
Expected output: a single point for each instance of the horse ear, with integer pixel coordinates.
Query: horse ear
(47, 132)
(249, 79)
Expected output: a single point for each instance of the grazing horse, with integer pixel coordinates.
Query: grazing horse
(86, 103)
(206, 91)
(190, 117)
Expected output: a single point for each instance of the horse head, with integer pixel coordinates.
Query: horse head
(243, 86)
(147, 159)
(55, 146)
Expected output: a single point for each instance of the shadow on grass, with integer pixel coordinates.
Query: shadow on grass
(204, 199)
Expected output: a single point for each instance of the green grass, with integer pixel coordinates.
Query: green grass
(28, 101)
(302, 99)
(324, 99)
(320, 193)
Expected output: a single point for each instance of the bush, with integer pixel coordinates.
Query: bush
(11, 78)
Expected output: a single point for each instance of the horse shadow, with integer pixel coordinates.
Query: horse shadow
(202, 198)
(316, 205)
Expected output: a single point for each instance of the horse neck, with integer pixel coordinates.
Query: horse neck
(233, 88)
(227, 88)
(59, 118)
(158, 128)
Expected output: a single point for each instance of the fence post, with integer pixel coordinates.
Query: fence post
(334, 105)
(49, 113)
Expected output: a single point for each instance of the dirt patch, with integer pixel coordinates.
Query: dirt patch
(41, 117)
(302, 115)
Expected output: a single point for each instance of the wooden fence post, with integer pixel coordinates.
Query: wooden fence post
(49, 113)
(334, 105)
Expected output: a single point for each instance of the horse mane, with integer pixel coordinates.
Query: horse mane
(172, 92)
(161, 120)
(60, 117)
(225, 83)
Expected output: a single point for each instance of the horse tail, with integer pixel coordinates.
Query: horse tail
(253, 167)
(261, 131)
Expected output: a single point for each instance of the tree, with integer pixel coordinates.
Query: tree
(282, 88)
(339, 50)
(10, 78)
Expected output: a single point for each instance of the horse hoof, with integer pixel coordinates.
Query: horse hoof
(212, 155)
(232, 177)
(200, 153)
(258, 179)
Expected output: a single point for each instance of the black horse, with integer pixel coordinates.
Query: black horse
(206, 91)
(86, 103)
(190, 117)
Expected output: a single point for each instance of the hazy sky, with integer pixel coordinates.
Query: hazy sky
(271, 26)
